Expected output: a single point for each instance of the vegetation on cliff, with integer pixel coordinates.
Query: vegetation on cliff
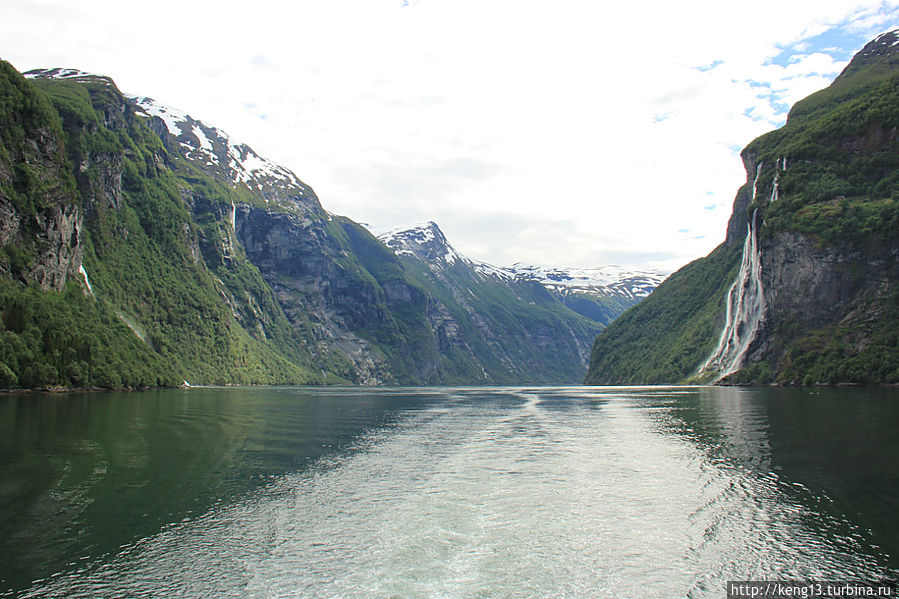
(132, 255)
(826, 195)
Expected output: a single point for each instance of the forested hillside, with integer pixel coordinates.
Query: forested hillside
(805, 289)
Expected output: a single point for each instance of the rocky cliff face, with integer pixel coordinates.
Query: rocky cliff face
(210, 264)
(318, 286)
(816, 291)
(40, 216)
(509, 325)
(805, 286)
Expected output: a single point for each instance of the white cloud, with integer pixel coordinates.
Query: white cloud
(567, 133)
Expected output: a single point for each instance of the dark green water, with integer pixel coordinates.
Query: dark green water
(444, 492)
(82, 474)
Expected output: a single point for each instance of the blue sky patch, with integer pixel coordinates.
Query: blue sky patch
(838, 42)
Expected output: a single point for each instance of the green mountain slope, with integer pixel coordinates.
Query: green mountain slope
(823, 189)
(141, 247)
(488, 326)
(149, 289)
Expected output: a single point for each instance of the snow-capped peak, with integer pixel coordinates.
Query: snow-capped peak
(176, 121)
(67, 74)
(209, 148)
(214, 149)
(425, 241)
(604, 279)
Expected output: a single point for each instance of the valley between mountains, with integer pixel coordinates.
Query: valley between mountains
(141, 247)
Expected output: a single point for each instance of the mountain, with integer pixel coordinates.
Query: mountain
(805, 288)
(142, 247)
(600, 294)
(518, 323)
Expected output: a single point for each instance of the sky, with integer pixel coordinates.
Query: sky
(568, 133)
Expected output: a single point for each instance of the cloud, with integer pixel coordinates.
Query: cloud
(577, 133)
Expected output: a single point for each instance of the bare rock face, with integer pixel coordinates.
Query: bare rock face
(40, 216)
(99, 177)
(9, 222)
(739, 221)
(308, 269)
(58, 231)
(808, 281)
(814, 286)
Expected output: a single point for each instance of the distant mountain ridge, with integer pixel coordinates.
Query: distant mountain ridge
(141, 247)
(600, 294)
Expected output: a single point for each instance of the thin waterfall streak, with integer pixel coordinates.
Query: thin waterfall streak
(758, 171)
(87, 281)
(725, 332)
(233, 216)
(744, 312)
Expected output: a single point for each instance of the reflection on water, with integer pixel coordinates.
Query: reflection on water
(445, 492)
(83, 474)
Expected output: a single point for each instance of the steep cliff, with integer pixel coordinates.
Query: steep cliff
(37, 189)
(143, 247)
(151, 310)
(52, 331)
(491, 326)
(805, 288)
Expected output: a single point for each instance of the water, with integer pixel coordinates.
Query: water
(478, 492)
(745, 309)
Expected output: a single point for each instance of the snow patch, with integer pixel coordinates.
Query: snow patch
(242, 163)
(491, 271)
(424, 240)
(172, 117)
(205, 144)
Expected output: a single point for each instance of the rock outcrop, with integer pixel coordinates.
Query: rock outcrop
(813, 296)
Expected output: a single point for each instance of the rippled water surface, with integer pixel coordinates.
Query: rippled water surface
(476, 492)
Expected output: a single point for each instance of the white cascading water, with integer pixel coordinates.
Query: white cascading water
(745, 311)
(755, 182)
(86, 280)
(774, 190)
(233, 216)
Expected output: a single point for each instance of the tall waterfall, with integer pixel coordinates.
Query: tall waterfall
(745, 311)
(233, 216)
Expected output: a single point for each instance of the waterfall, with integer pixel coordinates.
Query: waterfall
(745, 311)
(774, 191)
(233, 216)
(755, 182)
(87, 282)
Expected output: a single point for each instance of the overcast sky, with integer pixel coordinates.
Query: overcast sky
(568, 133)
